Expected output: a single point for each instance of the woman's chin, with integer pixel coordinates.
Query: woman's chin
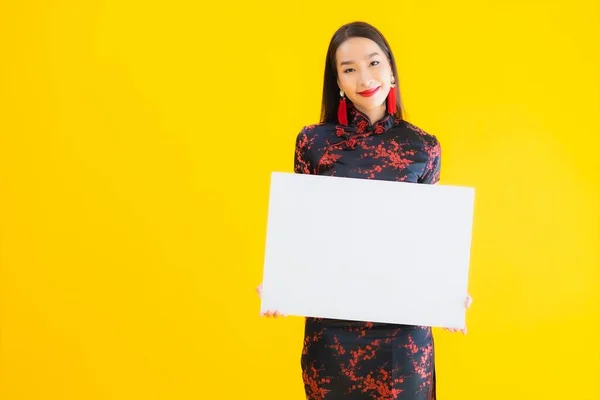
(368, 104)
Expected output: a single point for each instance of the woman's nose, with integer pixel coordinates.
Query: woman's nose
(366, 79)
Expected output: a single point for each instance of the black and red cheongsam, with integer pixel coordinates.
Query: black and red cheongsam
(347, 360)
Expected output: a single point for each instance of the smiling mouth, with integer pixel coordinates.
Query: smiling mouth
(369, 93)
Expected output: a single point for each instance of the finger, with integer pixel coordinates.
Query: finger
(464, 330)
(276, 314)
(468, 301)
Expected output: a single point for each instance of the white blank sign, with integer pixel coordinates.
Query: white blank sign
(367, 250)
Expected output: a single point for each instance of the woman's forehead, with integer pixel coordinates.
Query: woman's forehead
(357, 49)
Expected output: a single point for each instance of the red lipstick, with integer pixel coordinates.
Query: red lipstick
(370, 92)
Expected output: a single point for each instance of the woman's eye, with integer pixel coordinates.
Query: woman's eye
(374, 63)
(348, 70)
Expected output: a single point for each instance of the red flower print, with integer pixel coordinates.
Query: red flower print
(361, 126)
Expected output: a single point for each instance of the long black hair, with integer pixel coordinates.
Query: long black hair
(331, 91)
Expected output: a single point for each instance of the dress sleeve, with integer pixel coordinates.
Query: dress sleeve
(302, 163)
(431, 174)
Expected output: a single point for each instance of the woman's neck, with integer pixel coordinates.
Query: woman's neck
(374, 114)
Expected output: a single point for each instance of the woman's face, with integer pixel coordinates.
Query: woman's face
(364, 73)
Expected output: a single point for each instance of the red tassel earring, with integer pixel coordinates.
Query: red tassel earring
(391, 99)
(342, 110)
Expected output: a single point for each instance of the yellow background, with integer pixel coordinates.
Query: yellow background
(136, 144)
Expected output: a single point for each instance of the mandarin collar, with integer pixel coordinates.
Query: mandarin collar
(358, 122)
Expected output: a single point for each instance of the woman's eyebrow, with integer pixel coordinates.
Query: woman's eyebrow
(352, 62)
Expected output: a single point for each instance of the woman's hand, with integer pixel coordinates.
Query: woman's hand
(268, 313)
(468, 302)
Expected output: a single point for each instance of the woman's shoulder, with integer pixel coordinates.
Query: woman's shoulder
(424, 135)
(317, 128)
(314, 134)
